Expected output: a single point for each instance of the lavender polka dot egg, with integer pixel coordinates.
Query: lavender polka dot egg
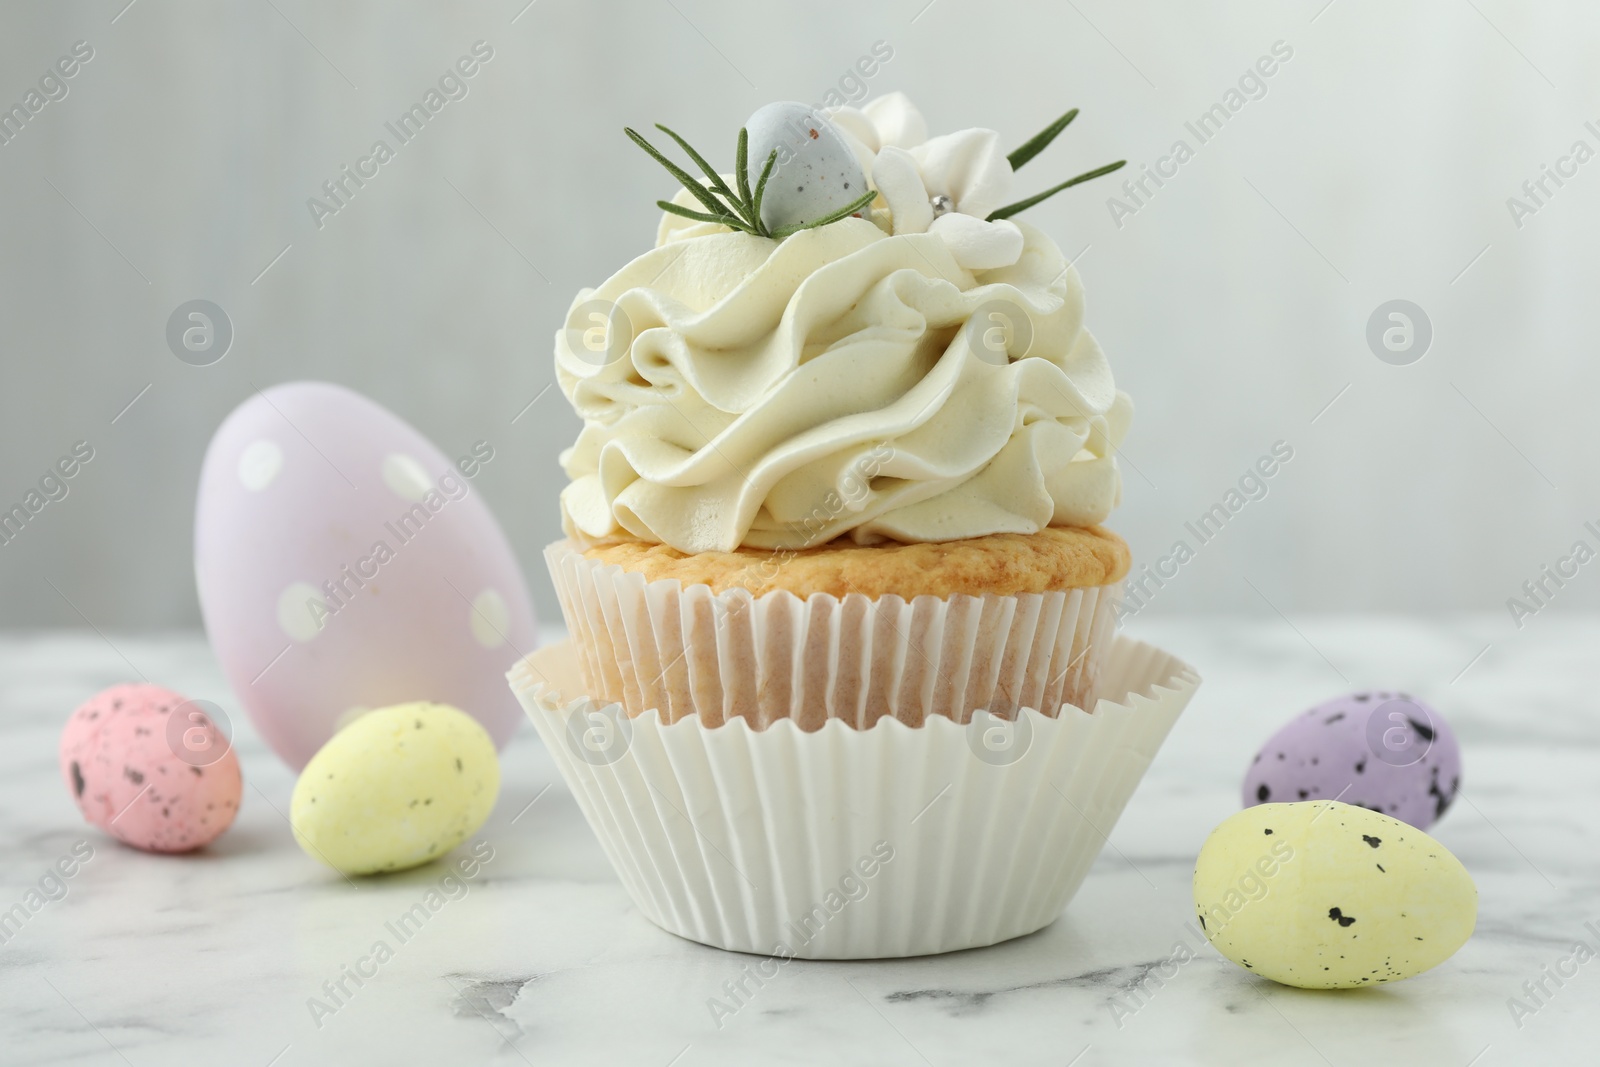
(344, 563)
(1384, 751)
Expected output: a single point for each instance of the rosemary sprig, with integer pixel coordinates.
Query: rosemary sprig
(736, 210)
(700, 192)
(761, 186)
(702, 216)
(1032, 147)
(1023, 205)
(717, 184)
(1040, 141)
(849, 209)
(741, 161)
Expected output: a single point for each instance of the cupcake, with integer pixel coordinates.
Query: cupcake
(833, 530)
(879, 445)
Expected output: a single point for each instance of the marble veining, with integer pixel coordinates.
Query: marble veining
(250, 953)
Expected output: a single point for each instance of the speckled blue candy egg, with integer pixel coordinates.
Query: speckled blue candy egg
(816, 172)
(1387, 752)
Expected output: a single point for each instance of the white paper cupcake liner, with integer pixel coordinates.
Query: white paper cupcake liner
(689, 652)
(844, 843)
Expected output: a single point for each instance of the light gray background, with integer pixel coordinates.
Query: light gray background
(1233, 305)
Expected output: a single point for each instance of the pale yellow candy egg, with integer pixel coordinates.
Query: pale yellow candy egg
(398, 787)
(1324, 895)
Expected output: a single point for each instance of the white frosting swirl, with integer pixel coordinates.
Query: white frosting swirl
(968, 168)
(913, 386)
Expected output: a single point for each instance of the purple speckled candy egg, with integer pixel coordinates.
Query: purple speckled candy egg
(344, 563)
(1388, 752)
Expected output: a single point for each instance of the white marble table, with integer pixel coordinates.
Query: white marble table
(212, 959)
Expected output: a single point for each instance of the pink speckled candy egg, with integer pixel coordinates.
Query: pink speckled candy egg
(344, 564)
(151, 768)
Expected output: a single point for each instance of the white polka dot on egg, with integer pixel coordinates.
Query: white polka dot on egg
(301, 611)
(490, 618)
(405, 477)
(259, 464)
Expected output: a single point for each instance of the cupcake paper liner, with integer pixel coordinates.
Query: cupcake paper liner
(690, 653)
(846, 843)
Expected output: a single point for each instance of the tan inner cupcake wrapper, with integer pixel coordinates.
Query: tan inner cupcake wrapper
(690, 652)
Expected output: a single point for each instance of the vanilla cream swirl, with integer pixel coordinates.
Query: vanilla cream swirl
(841, 382)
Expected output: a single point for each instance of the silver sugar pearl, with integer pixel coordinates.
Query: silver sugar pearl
(942, 205)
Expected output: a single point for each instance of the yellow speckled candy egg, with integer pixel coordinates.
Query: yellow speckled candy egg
(1324, 895)
(397, 787)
